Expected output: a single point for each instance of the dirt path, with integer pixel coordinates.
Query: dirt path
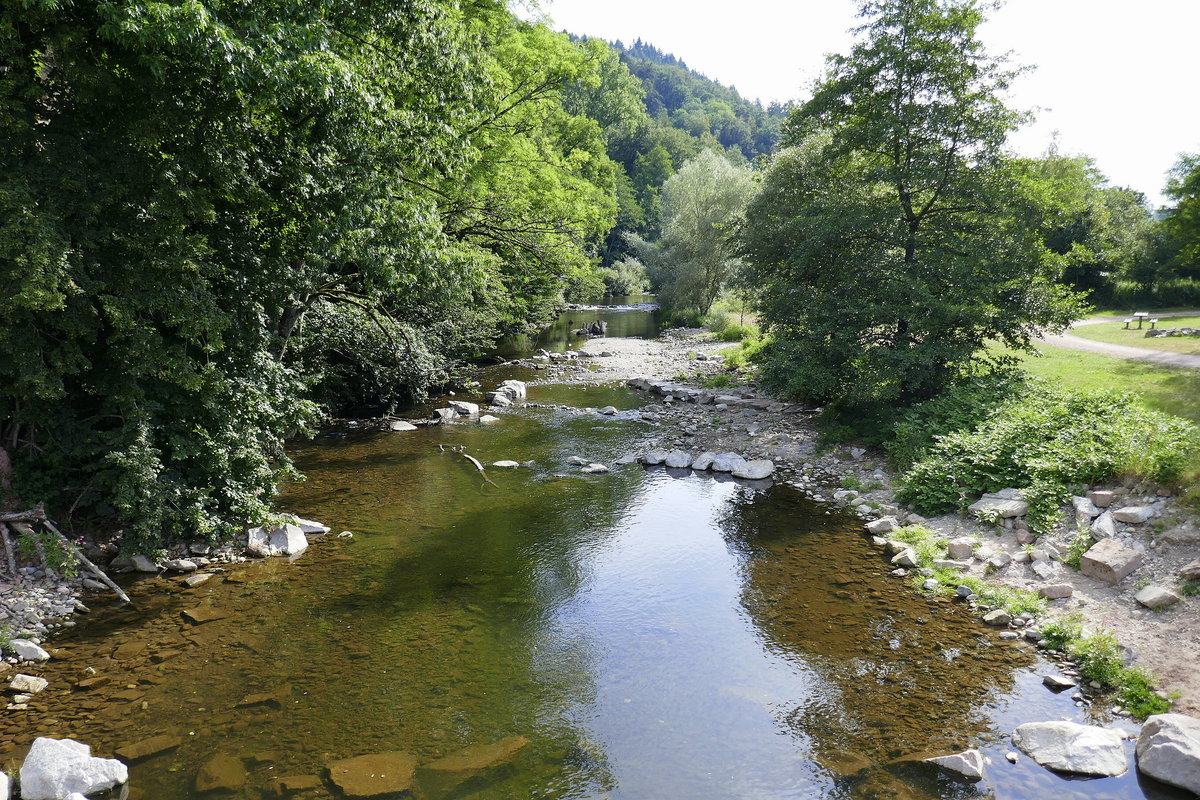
(1124, 351)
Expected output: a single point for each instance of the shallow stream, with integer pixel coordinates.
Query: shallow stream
(651, 633)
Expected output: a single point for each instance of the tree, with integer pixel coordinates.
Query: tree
(892, 238)
(1181, 225)
(694, 258)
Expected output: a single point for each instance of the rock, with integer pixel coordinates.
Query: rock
(756, 470)
(704, 460)
(292, 784)
(1101, 499)
(1155, 596)
(279, 540)
(1110, 561)
(929, 584)
(192, 581)
(55, 768)
(514, 389)
(28, 684)
(1168, 749)
(6, 786)
(960, 548)
(595, 469)
(608, 411)
(180, 565)
(1104, 527)
(727, 462)
(440, 416)
(968, 764)
(27, 650)
(373, 775)
(1044, 570)
(506, 464)
(143, 564)
(149, 747)
(464, 409)
(499, 399)
(1056, 591)
(881, 526)
(678, 459)
(577, 461)
(203, 614)
(488, 419)
(1058, 683)
(399, 425)
(999, 561)
(1004, 504)
(999, 617)
(654, 457)
(1133, 515)
(221, 773)
(905, 558)
(442, 776)
(1191, 572)
(1084, 508)
(1071, 747)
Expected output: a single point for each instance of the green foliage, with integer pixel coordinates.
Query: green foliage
(1080, 543)
(746, 354)
(719, 381)
(1014, 601)
(893, 237)
(32, 543)
(625, 277)
(1043, 442)
(1098, 657)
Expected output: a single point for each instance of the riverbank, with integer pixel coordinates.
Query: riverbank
(1163, 640)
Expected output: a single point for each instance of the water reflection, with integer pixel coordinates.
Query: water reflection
(630, 317)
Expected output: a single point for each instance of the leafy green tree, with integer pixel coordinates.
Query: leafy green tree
(694, 258)
(893, 238)
(1181, 225)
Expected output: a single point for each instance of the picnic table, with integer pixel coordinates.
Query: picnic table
(1139, 317)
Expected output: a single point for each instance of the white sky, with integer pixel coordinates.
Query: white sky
(1115, 79)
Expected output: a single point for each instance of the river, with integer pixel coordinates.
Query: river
(651, 634)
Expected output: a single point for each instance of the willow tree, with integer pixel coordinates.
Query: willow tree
(893, 238)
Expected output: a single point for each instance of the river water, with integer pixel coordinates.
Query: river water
(651, 633)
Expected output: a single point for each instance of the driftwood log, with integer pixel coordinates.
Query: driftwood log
(23, 521)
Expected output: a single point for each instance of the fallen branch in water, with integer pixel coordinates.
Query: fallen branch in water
(99, 573)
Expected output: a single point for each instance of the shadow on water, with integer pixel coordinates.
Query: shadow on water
(652, 633)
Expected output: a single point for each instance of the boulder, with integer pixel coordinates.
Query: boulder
(310, 528)
(55, 768)
(27, 650)
(905, 558)
(27, 684)
(142, 563)
(595, 469)
(1110, 561)
(998, 617)
(756, 470)
(464, 409)
(678, 459)
(960, 548)
(221, 773)
(505, 464)
(279, 540)
(1168, 749)
(1134, 515)
(1071, 747)
(399, 425)
(1084, 508)
(1155, 596)
(727, 462)
(1104, 526)
(488, 419)
(180, 565)
(499, 399)
(441, 416)
(967, 764)
(375, 774)
(6, 786)
(514, 389)
(654, 457)
(1000, 505)
(608, 411)
(999, 561)
(1191, 572)
(704, 460)
(1100, 499)
(881, 526)
(1056, 591)
(192, 581)
(1044, 570)
(1058, 683)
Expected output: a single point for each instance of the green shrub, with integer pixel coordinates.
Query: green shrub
(1044, 441)
(719, 381)
(625, 277)
(1081, 542)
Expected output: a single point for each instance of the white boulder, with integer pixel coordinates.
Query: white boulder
(968, 764)
(27, 650)
(727, 462)
(56, 768)
(678, 459)
(881, 526)
(1133, 515)
(704, 460)
(755, 470)
(1168, 749)
(1071, 747)
(1155, 596)
(278, 540)
(654, 457)
(464, 409)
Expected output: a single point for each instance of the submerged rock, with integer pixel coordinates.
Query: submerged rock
(445, 774)
(56, 768)
(28, 684)
(1168, 749)
(375, 774)
(221, 773)
(149, 747)
(1071, 747)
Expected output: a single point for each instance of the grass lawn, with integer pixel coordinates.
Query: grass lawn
(1115, 333)
(1174, 390)
(1128, 312)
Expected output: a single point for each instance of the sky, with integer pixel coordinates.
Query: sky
(1113, 80)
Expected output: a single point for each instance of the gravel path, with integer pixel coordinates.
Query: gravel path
(1124, 351)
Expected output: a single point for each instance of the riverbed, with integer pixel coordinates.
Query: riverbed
(647, 633)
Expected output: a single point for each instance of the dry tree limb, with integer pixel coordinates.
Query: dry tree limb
(35, 514)
(99, 573)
